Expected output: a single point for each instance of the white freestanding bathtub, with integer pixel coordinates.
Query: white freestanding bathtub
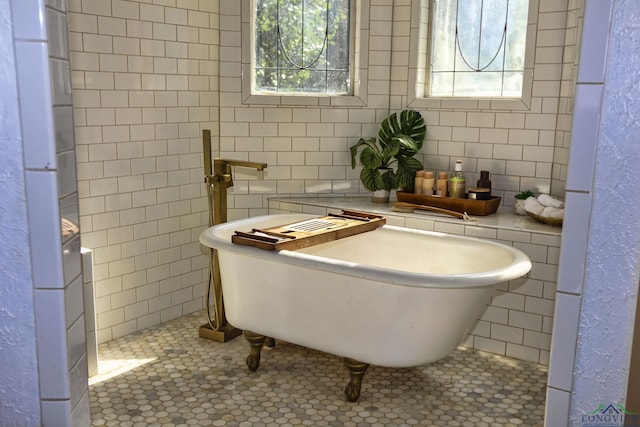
(394, 297)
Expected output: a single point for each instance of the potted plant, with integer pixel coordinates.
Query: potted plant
(387, 160)
(518, 206)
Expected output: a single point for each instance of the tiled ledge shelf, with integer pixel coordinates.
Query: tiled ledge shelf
(519, 320)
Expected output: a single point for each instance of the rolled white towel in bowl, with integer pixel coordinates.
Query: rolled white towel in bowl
(548, 201)
(551, 212)
(532, 205)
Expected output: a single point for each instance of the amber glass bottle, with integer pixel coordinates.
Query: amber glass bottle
(484, 181)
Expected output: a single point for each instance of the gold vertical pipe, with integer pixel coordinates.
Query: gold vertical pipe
(219, 217)
(206, 149)
(221, 319)
(208, 178)
(219, 193)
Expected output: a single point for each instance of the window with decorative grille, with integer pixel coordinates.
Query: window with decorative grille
(302, 47)
(478, 48)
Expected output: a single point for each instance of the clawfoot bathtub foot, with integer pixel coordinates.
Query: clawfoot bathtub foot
(357, 371)
(270, 342)
(256, 341)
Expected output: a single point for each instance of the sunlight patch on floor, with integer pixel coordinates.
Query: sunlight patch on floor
(108, 369)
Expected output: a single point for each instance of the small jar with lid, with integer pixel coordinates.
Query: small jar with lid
(479, 193)
(441, 184)
(427, 183)
(417, 187)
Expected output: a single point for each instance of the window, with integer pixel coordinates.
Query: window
(478, 48)
(302, 47)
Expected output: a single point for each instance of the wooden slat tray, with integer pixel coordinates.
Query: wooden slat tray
(470, 206)
(310, 232)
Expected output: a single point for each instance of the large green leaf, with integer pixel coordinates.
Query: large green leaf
(406, 173)
(354, 148)
(389, 180)
(389, 151)
(407, 144)
(409, 123)
(370, 158)
(389, 127)
(371, 179)
(413, 126)
(378, 179)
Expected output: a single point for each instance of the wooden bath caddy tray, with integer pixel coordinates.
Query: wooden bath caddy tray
(470, 206)
(310, 232)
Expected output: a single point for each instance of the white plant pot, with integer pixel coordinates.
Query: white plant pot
(380, 196)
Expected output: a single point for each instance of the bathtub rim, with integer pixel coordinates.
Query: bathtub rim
(520, 266)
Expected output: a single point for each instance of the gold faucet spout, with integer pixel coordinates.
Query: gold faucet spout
(242, 163)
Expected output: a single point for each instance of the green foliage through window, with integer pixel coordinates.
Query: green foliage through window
(302, 46)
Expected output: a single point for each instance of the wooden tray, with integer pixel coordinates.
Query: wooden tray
(470, 206)
(310, 232)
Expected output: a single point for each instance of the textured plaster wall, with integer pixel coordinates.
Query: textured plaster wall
(19, 396)
(613, 254)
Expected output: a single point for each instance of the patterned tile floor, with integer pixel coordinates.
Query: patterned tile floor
(168, 376)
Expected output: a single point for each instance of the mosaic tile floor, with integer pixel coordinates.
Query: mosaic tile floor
(168, 376)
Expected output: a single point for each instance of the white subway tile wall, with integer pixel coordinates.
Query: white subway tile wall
(148, 77)
(144, 86)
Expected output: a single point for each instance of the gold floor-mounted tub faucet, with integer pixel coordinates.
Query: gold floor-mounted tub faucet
(217, 182)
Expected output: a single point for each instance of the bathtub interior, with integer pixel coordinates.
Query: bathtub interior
(417, 252)
(390, 252)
